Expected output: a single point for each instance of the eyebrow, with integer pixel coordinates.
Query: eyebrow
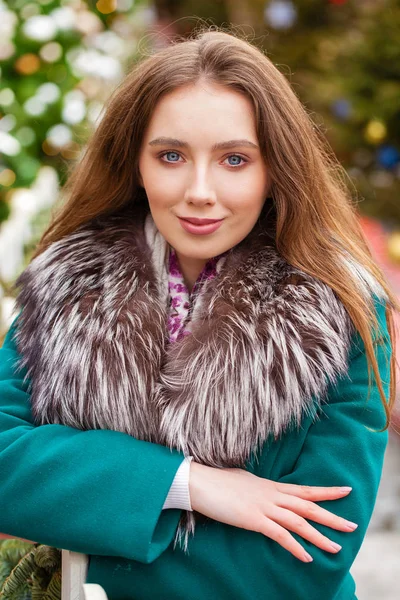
(163, 141)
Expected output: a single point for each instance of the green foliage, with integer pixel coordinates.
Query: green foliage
(29, 571)
(11, 552)
(345, 66)
(30, 130)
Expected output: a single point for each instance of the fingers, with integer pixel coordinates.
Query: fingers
(316, 513)
(314, 493)
(295, 523)
(284, 538)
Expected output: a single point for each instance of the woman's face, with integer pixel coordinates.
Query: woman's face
(200, 159)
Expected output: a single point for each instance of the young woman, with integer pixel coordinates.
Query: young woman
(203, 348)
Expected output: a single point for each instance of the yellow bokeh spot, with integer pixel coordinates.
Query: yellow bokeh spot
(7, 177)
(71, 151)
(393, 246)
(27, 64)
(49, 149)
(106, 6)
(375, 131)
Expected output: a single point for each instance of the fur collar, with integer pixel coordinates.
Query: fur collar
(265, 343)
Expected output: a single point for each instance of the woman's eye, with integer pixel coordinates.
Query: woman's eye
(175, 155)
(236, 158)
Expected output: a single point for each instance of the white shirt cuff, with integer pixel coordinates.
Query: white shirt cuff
(178, 495)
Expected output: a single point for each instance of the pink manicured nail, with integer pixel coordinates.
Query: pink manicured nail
(308, 557)
(351, 525)
(345, 489)
(335, 546)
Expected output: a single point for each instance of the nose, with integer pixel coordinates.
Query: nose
(200, 192)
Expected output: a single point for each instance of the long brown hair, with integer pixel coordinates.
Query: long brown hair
(316, 217)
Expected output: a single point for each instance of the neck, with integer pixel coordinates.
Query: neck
(190, 268)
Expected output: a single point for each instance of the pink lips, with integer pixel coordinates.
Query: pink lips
(200, 226)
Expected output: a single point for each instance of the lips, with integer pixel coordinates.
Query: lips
(200, 226)
(196, 221)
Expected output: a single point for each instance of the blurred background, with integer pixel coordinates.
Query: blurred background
(60, 60)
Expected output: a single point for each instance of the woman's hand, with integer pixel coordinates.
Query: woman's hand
(239, 498)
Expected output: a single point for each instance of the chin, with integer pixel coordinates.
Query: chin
(198, 255)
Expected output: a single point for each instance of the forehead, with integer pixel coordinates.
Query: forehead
(203, 107)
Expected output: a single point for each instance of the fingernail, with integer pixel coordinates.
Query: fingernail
(345, 489)
(308, 557)
(335, 546)
(351, 525)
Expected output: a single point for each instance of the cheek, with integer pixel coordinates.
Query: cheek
(151, 181)
(159, 201)
(160, 191)
(162, 209)
(248, 195)
(158, 194)
(248, 206)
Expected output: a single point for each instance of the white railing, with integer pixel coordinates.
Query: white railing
(73, 578)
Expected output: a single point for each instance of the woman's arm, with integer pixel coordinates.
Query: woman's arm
(340, 448)
(276, 508)
(96, 492)
(240, 498)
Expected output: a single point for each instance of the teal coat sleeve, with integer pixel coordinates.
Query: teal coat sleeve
(96, 492)
(340, 448)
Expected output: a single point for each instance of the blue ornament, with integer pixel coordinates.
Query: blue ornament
(388, 156)
(280, 14)
(341, 108)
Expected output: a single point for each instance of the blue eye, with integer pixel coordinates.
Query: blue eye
(170, 152)
(237, 157)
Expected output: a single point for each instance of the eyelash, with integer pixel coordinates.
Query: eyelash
(160, 156)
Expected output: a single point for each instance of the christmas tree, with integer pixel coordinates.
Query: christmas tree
(59, 61)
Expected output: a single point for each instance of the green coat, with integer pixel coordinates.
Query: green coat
(101, 492)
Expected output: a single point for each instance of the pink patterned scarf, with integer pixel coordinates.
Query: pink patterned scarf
(181, 301)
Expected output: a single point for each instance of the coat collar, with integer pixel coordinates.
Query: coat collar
(266, 341)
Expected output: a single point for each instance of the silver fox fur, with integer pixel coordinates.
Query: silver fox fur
(265, 344)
